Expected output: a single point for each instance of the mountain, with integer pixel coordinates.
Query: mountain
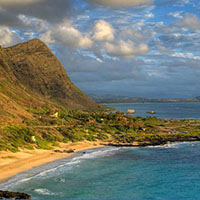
(125, 99)
(32, 77)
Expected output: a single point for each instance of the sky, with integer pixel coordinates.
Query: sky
(136, 48)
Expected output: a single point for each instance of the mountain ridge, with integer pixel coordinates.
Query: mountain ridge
(31, 76)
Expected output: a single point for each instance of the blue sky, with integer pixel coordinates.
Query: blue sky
(138, 48)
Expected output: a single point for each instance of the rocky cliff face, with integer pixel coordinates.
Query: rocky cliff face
(31, 76)
(35, 66)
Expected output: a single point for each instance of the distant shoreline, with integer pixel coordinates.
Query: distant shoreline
(151, 102)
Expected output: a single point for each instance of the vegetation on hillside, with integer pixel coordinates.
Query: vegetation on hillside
(50, 127)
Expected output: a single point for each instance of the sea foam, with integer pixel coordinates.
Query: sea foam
(43, 191)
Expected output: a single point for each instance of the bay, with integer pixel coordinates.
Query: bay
(183, 110)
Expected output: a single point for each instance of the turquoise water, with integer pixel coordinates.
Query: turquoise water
(163, 110)
(170, 172)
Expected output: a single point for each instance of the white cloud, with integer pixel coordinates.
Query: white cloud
(47, 37)
(149, 15)
(126, 49)
(190, 21)
(99, 60)
(176, 15)
(186, 55)
(100, 40)
(122, 3)
(68, 35)
(103, 31)
(8, 37)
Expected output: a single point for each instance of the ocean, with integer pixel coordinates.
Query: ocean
(188, 110)
(169, 172)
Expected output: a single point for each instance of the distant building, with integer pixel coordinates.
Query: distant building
(55, 115)
(131, 111)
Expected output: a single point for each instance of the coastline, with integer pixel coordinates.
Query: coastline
(13, 163)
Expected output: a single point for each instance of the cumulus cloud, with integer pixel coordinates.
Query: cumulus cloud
(68, 35)
(126, 49)
(99, 40)
(103, 31)
(8, 37)
(121, 3)
(37, 18)
(190, 21)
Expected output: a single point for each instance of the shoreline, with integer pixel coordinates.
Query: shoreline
(12, 164)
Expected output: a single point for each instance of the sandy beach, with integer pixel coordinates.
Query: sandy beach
(14, 163)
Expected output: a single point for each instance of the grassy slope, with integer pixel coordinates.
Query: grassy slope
(113, 128)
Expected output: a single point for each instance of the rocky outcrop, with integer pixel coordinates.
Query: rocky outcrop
(13, 195)
(65, 151)
(156, 142)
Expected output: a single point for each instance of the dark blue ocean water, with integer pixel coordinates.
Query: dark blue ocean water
(163, 110)
(170, 172)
